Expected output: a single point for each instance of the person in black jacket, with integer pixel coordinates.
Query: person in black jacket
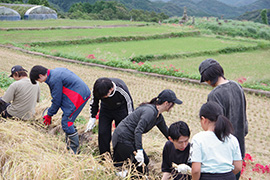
(116, 104)
(127, 137)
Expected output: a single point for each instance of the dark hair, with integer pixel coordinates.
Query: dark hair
(213, 111)
(36, 71)
(213, 73)
(155, 101)
(102, 87)
(179, 129)
(20, 73)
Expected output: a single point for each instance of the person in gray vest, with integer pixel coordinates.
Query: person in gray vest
(230, 96)
(21, 97)
(127, 137)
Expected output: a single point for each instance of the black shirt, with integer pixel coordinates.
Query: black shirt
(172, 155)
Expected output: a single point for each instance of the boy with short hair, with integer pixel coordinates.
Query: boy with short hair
(176, 153)
(115, 104)
(69, 93)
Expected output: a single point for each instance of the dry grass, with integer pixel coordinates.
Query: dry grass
(35, 152)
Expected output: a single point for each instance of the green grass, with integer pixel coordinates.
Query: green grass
(253, 65)
(155, 47)
(61, 22)
(26, 36)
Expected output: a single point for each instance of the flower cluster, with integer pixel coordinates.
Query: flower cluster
(91, 56)
(27, 46)
(249, 164)
(241, 80)
(261, 168)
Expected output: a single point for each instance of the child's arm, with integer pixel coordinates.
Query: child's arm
(196, 170)
(237, 166)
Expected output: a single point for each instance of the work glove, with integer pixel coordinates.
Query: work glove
(139, 157)
(47, 120)
(91, 124)
(183, 169)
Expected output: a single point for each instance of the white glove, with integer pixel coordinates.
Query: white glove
(139, 156)
(91, 124)
(183, 169)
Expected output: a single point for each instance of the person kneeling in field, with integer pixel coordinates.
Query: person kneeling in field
(69, 93)
(176, 153)
(127, 137)
(215, 153)
(22, 94)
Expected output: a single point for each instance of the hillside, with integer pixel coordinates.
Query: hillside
(254, 16)
(259, 4)
(175, 7)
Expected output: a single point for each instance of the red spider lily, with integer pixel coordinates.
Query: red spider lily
(248, 157)
(241, 80)
(134, 62)
(91, 56)
(27, 45)
(140, 63)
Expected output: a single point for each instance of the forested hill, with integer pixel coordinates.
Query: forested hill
(175, 7)
(254, 16)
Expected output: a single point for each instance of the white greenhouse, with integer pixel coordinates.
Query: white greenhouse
(40, 13)
(7, 14)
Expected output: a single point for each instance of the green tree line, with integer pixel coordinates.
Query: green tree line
(111, 10)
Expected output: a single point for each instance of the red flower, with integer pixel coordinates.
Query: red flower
(91, 56)
(248, 157)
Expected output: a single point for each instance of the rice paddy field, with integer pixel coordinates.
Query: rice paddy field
(47, 35)
(29, 150)
(63, 22)
(119, 50)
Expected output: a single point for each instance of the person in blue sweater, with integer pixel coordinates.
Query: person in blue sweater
(69, 93)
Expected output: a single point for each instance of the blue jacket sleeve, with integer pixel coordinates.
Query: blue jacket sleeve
(56, 93)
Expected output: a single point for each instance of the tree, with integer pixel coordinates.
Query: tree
(264, 16)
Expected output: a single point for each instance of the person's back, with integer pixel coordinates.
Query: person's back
(230, 96)
(24, 96)
(217, 156)
(215, 152)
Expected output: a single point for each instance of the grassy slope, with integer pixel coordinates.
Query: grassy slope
(254, 66)
(52, 162)
(72, 34)
(61, 22)
(154, 47)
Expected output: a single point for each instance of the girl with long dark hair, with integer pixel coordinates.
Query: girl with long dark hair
(215, 153)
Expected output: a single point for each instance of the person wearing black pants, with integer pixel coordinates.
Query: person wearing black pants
(116, 104)
(127, 137)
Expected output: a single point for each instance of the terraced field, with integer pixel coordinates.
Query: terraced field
(142, 88)
(31, 151)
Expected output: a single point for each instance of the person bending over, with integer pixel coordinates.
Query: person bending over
(69, 93)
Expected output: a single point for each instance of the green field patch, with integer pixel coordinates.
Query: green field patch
(250, 69)
(63, 22)
(79, 34)
(124, 50)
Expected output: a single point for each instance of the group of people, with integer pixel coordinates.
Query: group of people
(214, 153)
